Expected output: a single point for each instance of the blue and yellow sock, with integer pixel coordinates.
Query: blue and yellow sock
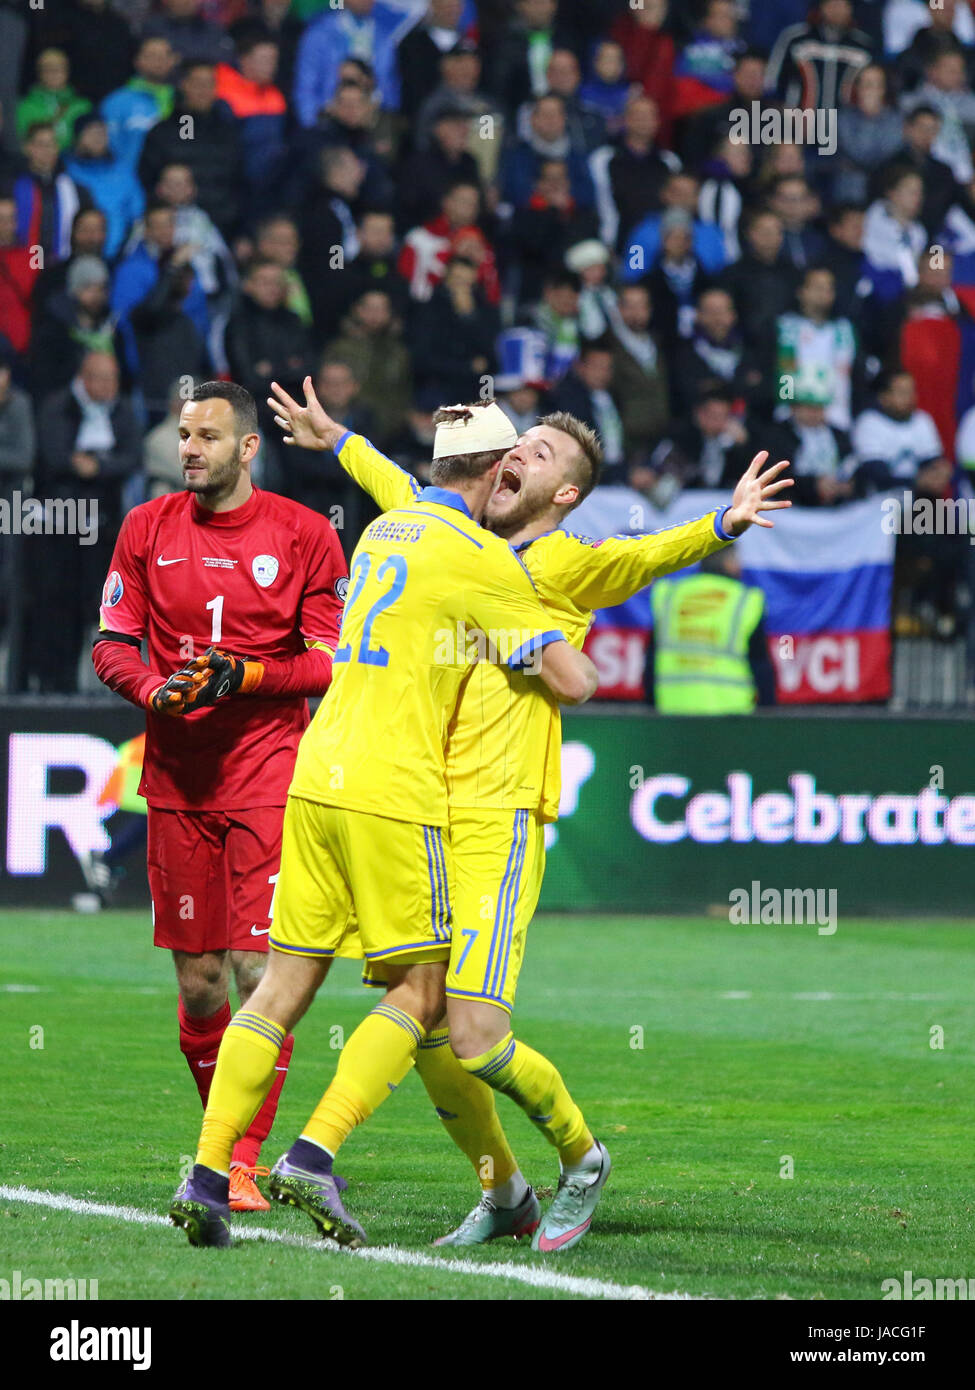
(466, 1107)
(533, 1083)
(244, 1074)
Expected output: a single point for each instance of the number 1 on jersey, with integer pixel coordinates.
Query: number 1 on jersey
(216, 626)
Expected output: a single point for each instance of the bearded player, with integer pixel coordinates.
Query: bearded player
(503, 777)
(238, 595)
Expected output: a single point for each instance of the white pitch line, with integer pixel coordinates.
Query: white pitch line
(387, 1254)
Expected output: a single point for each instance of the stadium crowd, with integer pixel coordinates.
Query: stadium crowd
(595, 207)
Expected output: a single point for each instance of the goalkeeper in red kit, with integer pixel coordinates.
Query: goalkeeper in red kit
(238, 594)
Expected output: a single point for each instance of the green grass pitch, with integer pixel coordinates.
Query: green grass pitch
(705, 1055)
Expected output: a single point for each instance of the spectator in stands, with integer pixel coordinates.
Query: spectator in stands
(584, 125)
(375, 265)
(427, 249)
(590, 260)
(844, 256)
(942, 191)
(368, 29)
(17, 438)
(371, 344)
(73, 323)
(868, 133)
(701, 131)
(259, 108)
(265, 341)
(821, 455)
(549, 138)
(213, 154)
(643, 244)
(893, 237)
(87, 449)
(426, 175)
(676, 279)
(452, 338)
(540, 234)
(46, 197)
(52, 101)
(277, 240)
(98, 41)
(629, 173)
(556, 318)
(193, 38)
(644, 37)
(160, 451)
(212, 261)
(640, 385)
(586, 392)
(329, 241)
(721, 199)
(274, 20)
(704, 70)
(716, 355)
(521, 401)
(947, 90)
(816, 64)
(934, 341)
(460, 88)
(797, 206)
(607, 90)
(711, 450)
(18, 275)
(761, 283)
(350, 122)
(316, 479)
(813, 345)
(111, 184)
(161, 310)
(419, 54)
(519, 67)
(945, 27)
(896, 445)
(134, 108)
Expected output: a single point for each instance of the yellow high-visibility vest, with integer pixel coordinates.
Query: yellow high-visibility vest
(702, 626)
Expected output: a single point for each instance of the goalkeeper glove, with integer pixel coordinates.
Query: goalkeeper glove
(231, 675)
(185, 690)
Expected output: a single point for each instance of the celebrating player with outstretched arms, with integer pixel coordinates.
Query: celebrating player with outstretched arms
(366, 812)
(503, 766)
(238, 594)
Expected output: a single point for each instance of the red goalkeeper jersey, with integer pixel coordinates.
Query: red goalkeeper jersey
(265, 580)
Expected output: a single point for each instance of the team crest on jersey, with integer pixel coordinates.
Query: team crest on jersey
(113, 590)
(342, 587)
(265, 570)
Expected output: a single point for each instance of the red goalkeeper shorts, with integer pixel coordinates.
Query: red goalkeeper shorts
(212, 877)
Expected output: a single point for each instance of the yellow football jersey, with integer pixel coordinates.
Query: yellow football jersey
(425, 579)
(505, 741)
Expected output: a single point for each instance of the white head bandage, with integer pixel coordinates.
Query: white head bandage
(486, 429)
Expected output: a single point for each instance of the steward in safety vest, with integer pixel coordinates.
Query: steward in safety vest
(709, 653)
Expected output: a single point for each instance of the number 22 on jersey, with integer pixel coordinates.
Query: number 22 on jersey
(390, 578)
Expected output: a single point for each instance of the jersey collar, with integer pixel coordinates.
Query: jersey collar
(445, 498)
(523, 545)
(239, 516)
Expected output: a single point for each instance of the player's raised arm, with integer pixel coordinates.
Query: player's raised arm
(309, 426)
(601, 573)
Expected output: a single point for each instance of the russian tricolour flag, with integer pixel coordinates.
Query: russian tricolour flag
(826, 574)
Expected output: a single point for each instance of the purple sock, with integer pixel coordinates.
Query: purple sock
(210, 1184)
(304, 1154)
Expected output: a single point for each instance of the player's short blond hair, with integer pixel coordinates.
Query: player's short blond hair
(587, 462)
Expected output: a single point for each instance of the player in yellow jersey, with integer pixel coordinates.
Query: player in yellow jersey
(503, 775)
(366, 812)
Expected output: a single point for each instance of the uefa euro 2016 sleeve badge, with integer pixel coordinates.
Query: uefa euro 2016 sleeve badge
(265, 570)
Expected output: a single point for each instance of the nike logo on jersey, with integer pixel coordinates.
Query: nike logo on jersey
(161, 561)
(207, 1064)
(262, 931)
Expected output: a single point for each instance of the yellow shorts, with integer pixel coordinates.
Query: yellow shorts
(499, 863)
(357, 884)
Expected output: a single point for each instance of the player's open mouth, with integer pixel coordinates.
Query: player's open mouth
(508, 481)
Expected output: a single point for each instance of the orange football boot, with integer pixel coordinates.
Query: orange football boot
(245, 1195)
